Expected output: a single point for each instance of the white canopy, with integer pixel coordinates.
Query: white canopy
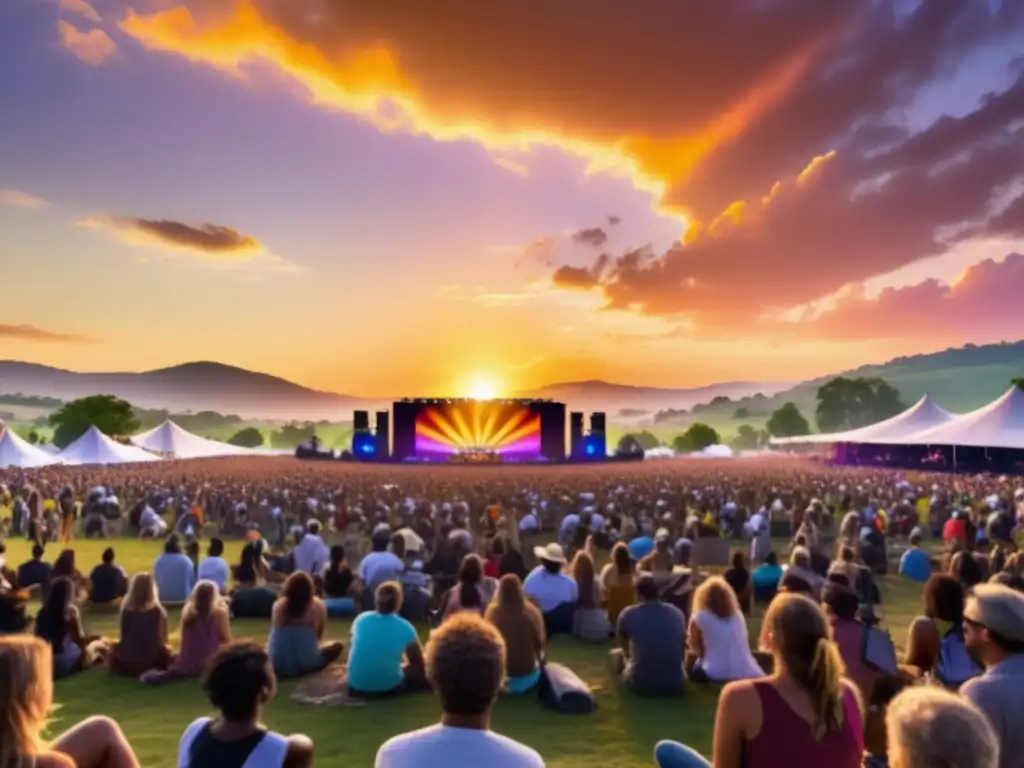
(96, 448)
(998, 425)
(18, 452)
(171, 439)
(924, 414)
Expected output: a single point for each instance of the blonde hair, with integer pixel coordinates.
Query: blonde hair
(929, 727)
(202, 603)
(802, 645)
(142, 594)
(715, 595)
(26, 695)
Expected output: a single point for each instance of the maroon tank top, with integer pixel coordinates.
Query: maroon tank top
(786, 738)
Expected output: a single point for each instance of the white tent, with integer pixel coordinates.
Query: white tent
(170, 439)
(997, 425)
(924, 414)
(96, 448)
(18, 452)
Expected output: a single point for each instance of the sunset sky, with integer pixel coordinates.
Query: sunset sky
(405, 197)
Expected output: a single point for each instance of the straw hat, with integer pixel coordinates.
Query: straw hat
(553, 553)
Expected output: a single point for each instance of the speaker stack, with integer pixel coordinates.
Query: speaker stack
(596, 444)
(576, 447)
(364, 443)
(383, 435)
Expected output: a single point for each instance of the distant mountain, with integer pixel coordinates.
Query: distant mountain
(192, 386)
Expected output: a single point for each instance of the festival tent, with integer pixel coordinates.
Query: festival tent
(15, 451)
(96, 448)
(170, 439)
(924, 414)
(999, 424)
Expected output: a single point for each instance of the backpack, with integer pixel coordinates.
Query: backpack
(955, 665)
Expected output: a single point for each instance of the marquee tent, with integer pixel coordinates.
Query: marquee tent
(923, 415)
(997, 425)
(18, 452)
(170, 439)
(96, 448)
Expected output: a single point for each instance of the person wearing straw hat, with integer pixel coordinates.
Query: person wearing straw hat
(554, 592)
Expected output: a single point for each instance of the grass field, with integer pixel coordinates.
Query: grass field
(622, 732)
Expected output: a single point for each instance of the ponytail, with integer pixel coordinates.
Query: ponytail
(824, 683)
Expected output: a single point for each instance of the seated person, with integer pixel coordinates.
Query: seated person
(841, 607)
(876, 748)
(718, 644)
(618, 583)
(251, 598)
(143, 644)
(13, 601)
(522, 627)
(381, 639)
(298, 622)
(205, 629)
(26, 667)
(915, 564)
(64, 565)
(174, 572)
(552, 591)
(738, 577)
(59, 624)
(239, 683)
(380, 565)
(935, 641)
(766, 578)
(341, 590)
(214, 567)
(800, 566)
(471, 592)
(652, 635)
(108, 582)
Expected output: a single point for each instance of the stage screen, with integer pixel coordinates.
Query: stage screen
(512, 430)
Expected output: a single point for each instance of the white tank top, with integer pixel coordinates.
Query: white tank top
(269, 753)
(727, 653)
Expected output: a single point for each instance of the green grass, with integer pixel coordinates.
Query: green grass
(622, 732)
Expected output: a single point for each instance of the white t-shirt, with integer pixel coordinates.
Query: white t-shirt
(727, 653)
(378, 567)
(215, 569)
(442, 746)
(549, 590)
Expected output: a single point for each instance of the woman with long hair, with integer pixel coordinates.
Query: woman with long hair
(935, 641)
(26, 698)
(590, 621)
(522, 626)
(59, 623)
(341, 588)
(298, 623)
(738, 577)
(717, 644)
(252, 598)
(64, 565)
(805, 715)
(205, 629)
(143, 644)
(618, 581)
(468, 594)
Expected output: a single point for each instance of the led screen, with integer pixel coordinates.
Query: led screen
(512, 430)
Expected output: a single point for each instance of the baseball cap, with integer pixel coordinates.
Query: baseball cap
(997, 608)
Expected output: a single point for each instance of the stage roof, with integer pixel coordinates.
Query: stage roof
(999, 424)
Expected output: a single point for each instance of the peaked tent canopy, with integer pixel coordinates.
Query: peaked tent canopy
(999, 424)
(15, 451)
(96, 448)
(924, 414)
(171, 439)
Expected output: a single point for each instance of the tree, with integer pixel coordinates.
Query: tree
(748, 439)
(250, 437)
(108, 414)
(698, 437)
(33, 437)
(291, 435)
(787, 421)
(1018, 382)
(741, 413)
(646, 439)
(852, 403)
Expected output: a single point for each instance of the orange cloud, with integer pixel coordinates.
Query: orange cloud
(17, 198)
(82, 8)
(93, 47)
(31, 333)
(208, 240)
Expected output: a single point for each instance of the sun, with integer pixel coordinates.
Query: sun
(483, 389)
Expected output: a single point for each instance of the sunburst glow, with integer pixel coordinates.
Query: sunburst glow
(506, 428)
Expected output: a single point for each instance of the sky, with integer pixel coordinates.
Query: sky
(394, 197)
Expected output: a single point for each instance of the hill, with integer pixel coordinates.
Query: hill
(959, 379)
(188, 387)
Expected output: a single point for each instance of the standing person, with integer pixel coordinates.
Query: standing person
(803, 716)
(994, 636)
(239, 683)
(652, 636)
(68, 512)
(466, 666)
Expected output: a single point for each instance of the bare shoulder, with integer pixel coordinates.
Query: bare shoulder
(54, 760)
(300, 752)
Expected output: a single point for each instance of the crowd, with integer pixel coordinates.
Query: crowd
(498, 561)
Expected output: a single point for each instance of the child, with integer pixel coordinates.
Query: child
(884, 691)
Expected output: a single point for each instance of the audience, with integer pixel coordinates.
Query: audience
(718, 645)
(590, 621)
(252, 598)
(841, 607)
(64, 565)
(766, 578)
(380, 566)
(522, 628)
(652, 638)
(60, 624)
(931, 728)
(174, 572)
(143, 642)
(466, 667)
(35, 572)
(916, 564)
(341, 590)
(239, 683)
(469, 592)
(618, 582)
(800, 568)
(205, 629)
(214, 567)
(26, 702)
(297, 627)
(994, 636)
(108, 582)
(552, 591)
(381, 641)
(737, 576)
(876, 747)
(935, 642)
(312, 554)
(803, 716)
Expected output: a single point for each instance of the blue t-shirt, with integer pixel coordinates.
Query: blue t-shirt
(640, 547)
(378, 644)
(916, 565)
